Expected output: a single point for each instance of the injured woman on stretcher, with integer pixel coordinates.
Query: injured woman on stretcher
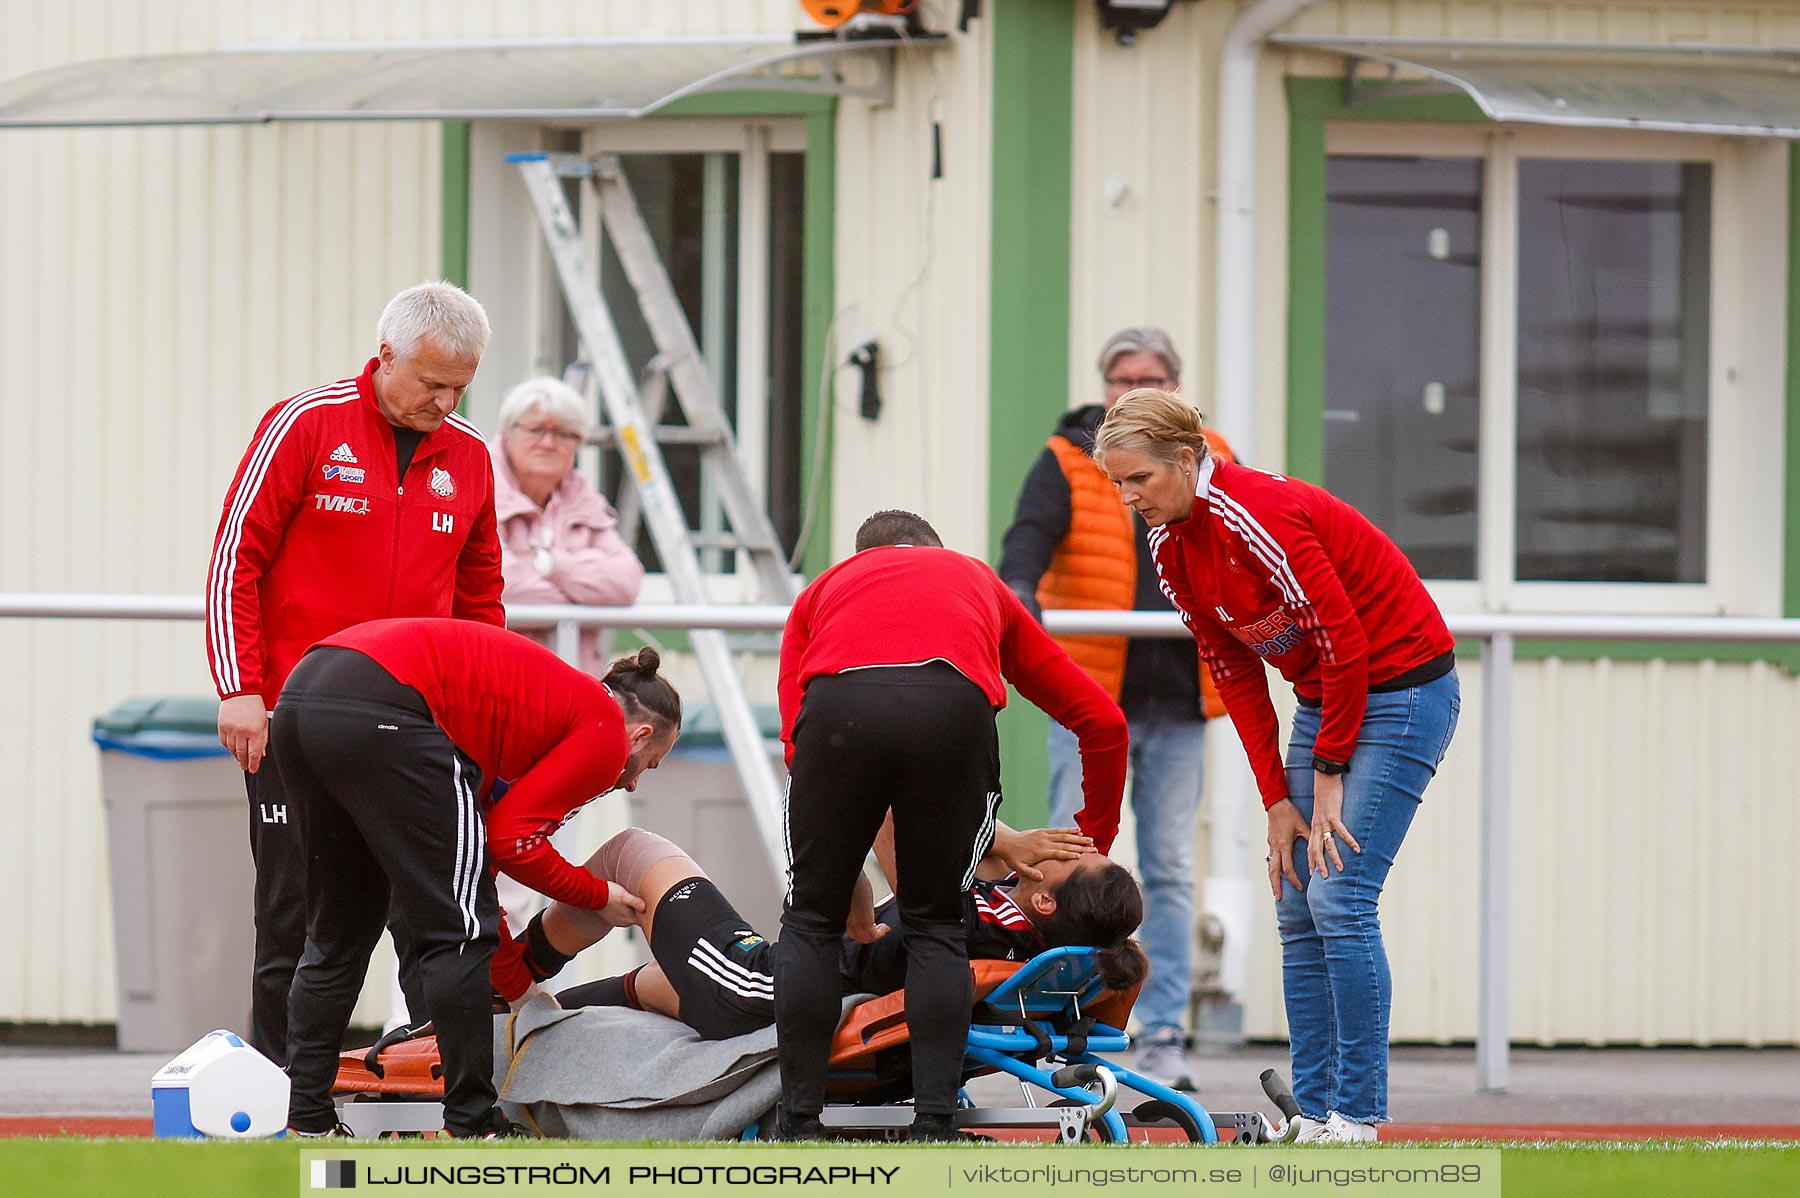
(1034, 891)
(586, 1066)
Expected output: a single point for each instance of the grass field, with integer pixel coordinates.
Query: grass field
(193, 1169)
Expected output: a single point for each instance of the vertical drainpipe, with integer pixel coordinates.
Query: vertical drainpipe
(1227, 894)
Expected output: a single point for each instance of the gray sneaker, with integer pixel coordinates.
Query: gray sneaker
(1162, 1057)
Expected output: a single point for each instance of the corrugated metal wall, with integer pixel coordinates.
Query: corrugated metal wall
(177, 282)
(1653, 900)
(912, 255)
(1644, 909)
(158, 289)
(1560, 20)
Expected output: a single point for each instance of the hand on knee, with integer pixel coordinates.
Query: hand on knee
(627, 857)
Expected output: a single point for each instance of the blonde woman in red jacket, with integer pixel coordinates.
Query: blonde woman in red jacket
(1269, 570)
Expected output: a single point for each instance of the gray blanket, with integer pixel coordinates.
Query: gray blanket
(609, 1073)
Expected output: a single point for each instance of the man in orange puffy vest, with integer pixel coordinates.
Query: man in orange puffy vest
(1073, 543)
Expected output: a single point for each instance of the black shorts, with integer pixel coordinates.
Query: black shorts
(719, 966)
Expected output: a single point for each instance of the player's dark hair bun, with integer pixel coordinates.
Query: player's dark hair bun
(641, 690)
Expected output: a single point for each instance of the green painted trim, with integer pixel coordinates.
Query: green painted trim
(1028, 296)
(818, 306)
(1306, 285)
(1311, 103)
(1790, 590)
(751, 103)
(1785, 656)
(1327, 100)
(1029, 256)
(453, 260)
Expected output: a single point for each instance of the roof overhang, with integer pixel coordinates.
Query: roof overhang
(573, 79)
(1737, 90)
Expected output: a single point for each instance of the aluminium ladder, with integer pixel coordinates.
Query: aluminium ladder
(679, 371)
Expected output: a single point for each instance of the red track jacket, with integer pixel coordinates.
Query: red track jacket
(317, 534)
(1272, 569)
(555, 735)
(906, 605)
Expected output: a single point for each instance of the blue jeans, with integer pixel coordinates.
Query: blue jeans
(1334, 967)
(1168, 761)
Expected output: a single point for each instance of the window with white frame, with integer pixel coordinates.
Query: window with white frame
(1538, 374)
(724, 204)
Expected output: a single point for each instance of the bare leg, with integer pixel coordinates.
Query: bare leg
(649, 986)
(654, 993)
(631, 859)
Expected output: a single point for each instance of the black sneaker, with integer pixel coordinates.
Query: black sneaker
(337, 1131)
(939, 1129)
(794, 1127)
(498, 1127)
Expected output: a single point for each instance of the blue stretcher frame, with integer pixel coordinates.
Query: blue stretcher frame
(1060, 983)
(1057, 986)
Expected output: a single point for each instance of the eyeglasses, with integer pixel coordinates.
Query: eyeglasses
(1158, 381)
(531, 432)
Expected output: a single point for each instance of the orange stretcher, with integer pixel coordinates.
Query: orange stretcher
(1045, 1022)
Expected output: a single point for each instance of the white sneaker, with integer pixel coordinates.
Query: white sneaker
(1311, 1130)
(1162, 1057)
(1339, 1130)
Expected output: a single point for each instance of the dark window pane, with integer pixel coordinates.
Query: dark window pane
(671, 191)
(1614, 293)
(787, 322)
(1403, 350)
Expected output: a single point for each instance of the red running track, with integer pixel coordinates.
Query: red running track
(13, 1127)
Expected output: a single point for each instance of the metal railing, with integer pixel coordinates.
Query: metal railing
(1498, 634)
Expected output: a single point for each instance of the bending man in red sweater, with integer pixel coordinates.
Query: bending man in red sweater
(893, 664)
(394, 733)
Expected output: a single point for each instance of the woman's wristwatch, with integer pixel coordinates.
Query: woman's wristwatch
(1324, 765)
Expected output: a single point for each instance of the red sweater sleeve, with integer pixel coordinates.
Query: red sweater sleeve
(1236, 670)
(269, 485)
(1049, 678)
(1244, 686)
(478, 577)
(1315, 597)
(519, 826)
(788, 689)
(508, 973)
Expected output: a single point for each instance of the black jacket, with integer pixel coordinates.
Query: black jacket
(1162, 675)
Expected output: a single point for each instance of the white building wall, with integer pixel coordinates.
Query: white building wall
(1648, 904)
(1637, 915)
(160, 288)
(912, 271)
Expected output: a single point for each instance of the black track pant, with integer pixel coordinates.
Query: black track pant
(921, 740)
(280, 899)
(387, 805)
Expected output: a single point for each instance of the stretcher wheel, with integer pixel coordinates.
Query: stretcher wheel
(1157, 1111)
(1093, 1132)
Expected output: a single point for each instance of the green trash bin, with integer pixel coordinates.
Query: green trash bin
(182, 881)
(696, 799)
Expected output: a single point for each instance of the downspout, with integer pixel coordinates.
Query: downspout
(1227, 893)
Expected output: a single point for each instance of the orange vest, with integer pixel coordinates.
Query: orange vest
(1095, 567)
